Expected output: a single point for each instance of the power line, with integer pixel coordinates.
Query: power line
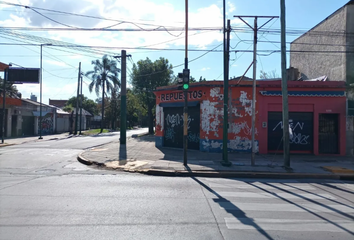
(157, 27)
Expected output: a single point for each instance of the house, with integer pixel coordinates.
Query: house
(328, 50)
(317, 117)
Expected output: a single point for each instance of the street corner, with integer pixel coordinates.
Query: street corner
(128, 165)
(339, 170)
(83, 160)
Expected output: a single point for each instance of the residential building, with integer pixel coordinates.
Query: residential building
(328, 49)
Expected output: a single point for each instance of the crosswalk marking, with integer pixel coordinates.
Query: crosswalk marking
(282, 206)
(266, 187)
(276, 195)
(289, 224)
(285, 207)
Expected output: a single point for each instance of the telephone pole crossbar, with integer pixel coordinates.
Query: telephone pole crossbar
(255, 29)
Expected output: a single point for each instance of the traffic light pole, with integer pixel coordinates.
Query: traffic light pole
(185, 109)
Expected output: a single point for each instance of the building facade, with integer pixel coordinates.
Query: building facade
(328, 49)
(317, 117)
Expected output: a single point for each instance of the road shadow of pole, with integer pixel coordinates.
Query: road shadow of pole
(227, 205)
(304, 208)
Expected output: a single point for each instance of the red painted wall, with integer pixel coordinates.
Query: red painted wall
(210, 97)
(317, 105)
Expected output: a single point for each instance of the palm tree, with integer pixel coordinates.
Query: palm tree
(104, 74)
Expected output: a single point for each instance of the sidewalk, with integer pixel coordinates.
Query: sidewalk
(20, 140)
(140, 155)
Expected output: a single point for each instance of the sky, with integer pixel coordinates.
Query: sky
(145, 29)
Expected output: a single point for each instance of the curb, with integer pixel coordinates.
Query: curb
(223, 174)
(228, 174)
(7, 144)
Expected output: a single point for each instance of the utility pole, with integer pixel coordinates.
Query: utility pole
(225, 160)
(80, 103)
(255, 30)
(77, 99)
(3, 104)
(123, 97)
(185, 109)
(284, 87)
(40, 90)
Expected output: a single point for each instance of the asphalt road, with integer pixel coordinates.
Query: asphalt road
(46, 194)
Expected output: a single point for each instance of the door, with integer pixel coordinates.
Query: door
(328, 134)
(173, 127)
(301, 127)
(27, 125)
(14, 126)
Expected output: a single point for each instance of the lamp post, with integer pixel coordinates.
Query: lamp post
(40, 104)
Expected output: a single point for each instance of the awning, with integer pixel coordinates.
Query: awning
(306, 93)
(179, 104)
(38, 113)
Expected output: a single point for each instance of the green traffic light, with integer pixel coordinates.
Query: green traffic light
(185, 86)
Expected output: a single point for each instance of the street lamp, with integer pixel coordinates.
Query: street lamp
(40, 104)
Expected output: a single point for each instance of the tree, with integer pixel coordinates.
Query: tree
(11, 90)
(87, 104)
(146, 76)
(269, 75)
(104, 74)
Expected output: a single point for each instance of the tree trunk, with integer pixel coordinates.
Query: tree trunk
(102, 111)
(150, 120)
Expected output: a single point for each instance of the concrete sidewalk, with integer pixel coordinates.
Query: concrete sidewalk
(140, 155)
(21, 140)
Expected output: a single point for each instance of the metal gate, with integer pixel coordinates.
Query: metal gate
(328, 134)
(301, 126)
(173, 127)
(27, 125)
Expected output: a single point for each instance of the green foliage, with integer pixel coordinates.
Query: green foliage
(104, 75)
(87, 104)
(94, 132)
(146, 77)
(68, 108)
(11, 90)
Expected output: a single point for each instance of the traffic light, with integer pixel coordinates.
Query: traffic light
(185, 78)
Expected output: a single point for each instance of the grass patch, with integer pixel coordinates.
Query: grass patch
(94, 132)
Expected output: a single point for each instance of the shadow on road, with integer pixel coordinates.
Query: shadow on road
(241, 216)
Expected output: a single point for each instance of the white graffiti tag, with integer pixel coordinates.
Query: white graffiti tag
(298, 138)
(170, 134)
(174, 120)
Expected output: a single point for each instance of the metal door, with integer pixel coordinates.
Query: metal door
(328, 134)
(301, 126)
(173, 127)
(27, 125)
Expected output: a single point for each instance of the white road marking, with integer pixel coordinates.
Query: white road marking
(300, 225)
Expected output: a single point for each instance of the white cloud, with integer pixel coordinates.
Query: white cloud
(205, 69)
(231, 7)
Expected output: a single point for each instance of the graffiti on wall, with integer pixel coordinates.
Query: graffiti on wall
(173, 120)
(159, 118)
(297, 136)
(47, 124)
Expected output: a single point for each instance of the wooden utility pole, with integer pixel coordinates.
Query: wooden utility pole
(284, 87)
(255, 30)
(77, 99)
